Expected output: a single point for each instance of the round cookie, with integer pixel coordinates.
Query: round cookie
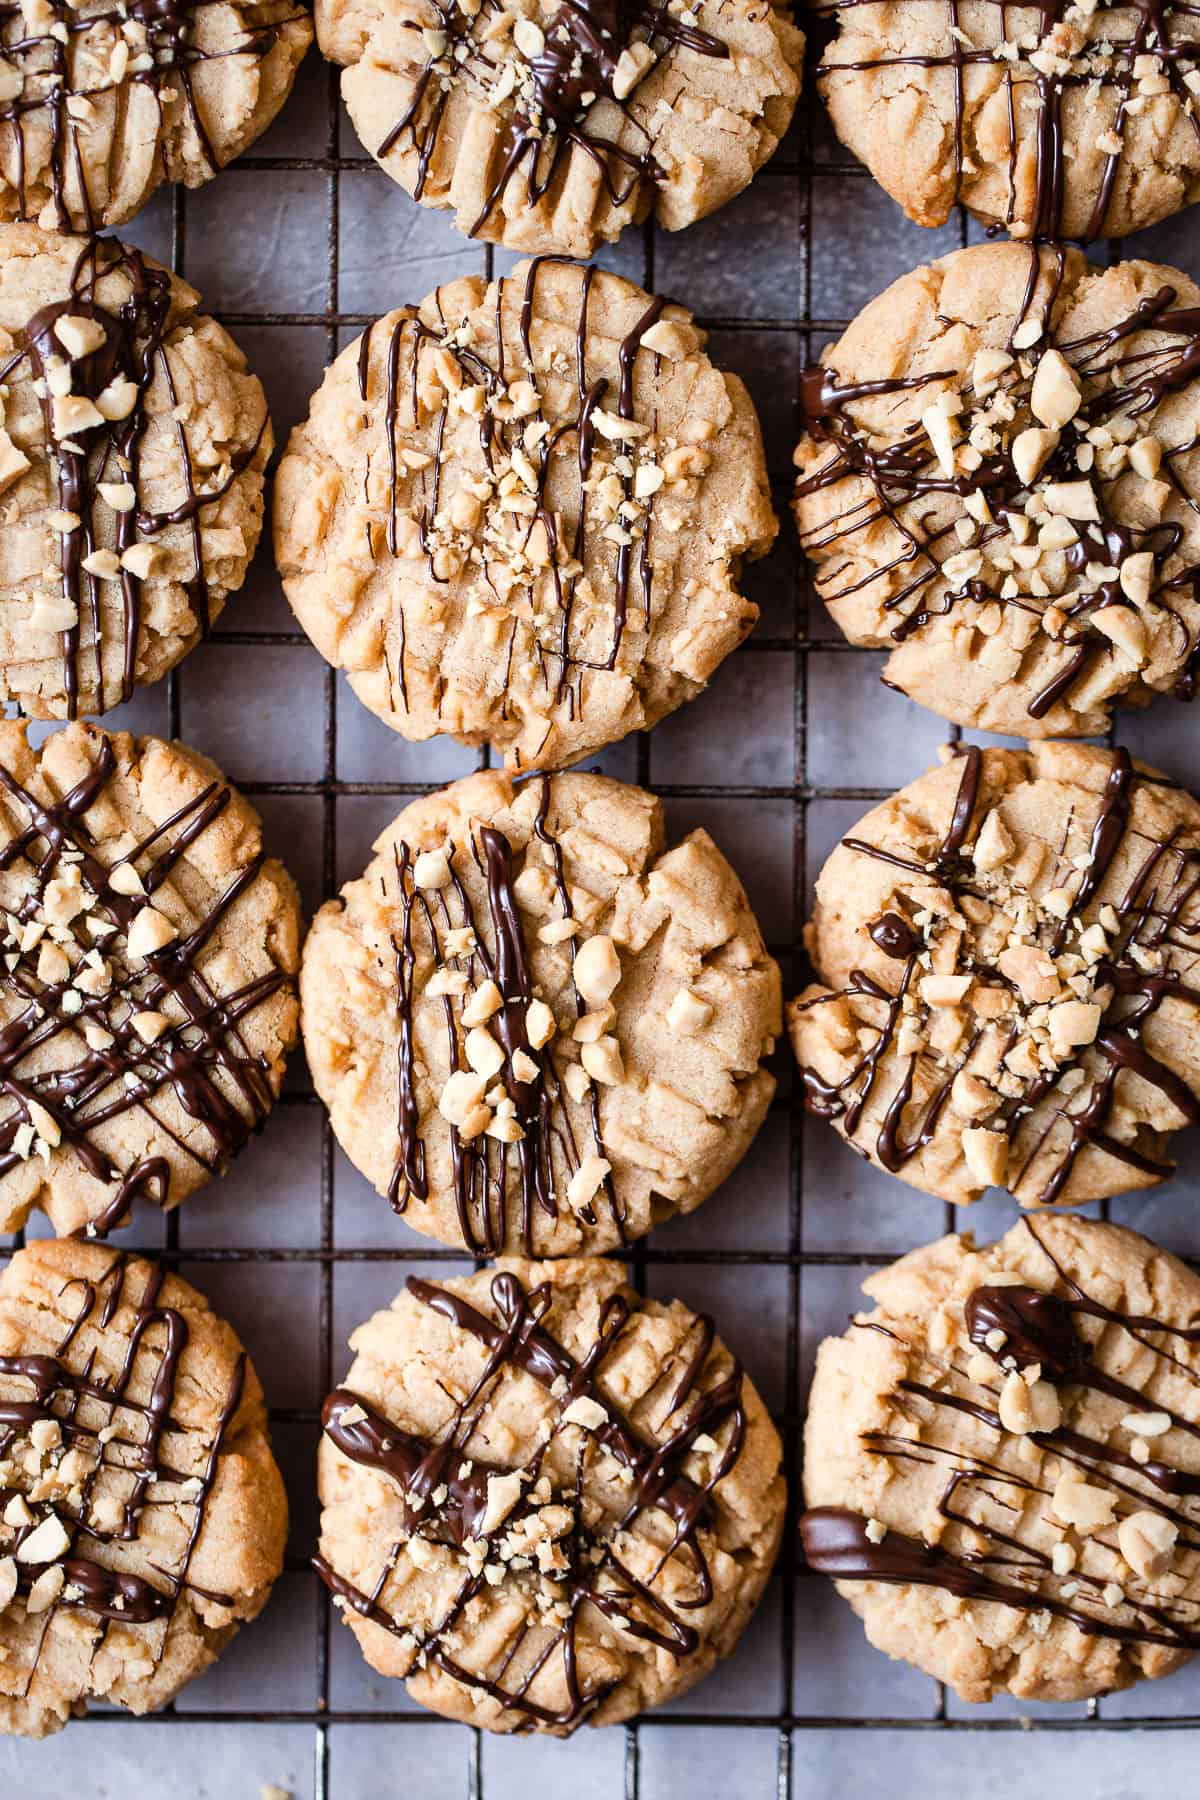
(534, 1026)
(147, 1003)
(551, 127)
(1068, 121)
(133, 443)
(546, 1499)
(1004, 953)
(144, 1516)
(998, 484)
(100, 105)
(1001, 1461)
(531, 541)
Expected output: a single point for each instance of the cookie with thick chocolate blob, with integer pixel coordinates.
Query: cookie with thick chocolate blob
(1001, 1463)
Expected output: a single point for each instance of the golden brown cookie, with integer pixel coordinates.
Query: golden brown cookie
(147, 1003)
(144, 1517)
(999, 484)
(547, 1500)
(1001, 1462)
(534, 1026)
(99, 104)
(1005, 992)
(550, 127)
(1065, 121)
(133, 442)
(518, 513)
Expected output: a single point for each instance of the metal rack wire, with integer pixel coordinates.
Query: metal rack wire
(803, 166)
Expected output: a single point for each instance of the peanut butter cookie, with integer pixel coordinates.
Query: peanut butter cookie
(547, 1500)
(132, 448)
(144, 1517)
(1004, 954)
(549, 126)
(518, 514)
(1001, 1464)
(148, 1002)
(534, 1027)
(99, 105)
(999, 484)
(1067, 120)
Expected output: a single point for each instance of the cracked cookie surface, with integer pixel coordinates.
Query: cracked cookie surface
(547, 1500)
(133, 442)
(149, 951)
(998, 484)
(534, 1026)
(1004, 953)
(1001, 1465)
(1063, 121)
(99, 105)
(144, 1516)
(550, 127)
(518, 514)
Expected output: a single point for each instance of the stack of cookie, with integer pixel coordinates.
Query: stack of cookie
(998, 485)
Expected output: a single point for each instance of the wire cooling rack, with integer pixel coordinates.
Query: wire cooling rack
(790, 745)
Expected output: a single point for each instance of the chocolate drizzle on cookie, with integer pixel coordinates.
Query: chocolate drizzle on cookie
(50, 56)
(545, 86)
(1054, 636)
(96, 1444)
(894, 936)
(1033, 1329)
(445, 1491)
(836, 1543)
(1054, 1112)
(93, 369)
(538, 559)
(121, 1028)
(1150, 56)
(545, 1150)
(530, 1097)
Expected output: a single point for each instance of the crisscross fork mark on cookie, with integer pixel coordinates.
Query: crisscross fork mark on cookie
(109, 1455)
(71, 76)
(449, 1497)
(1031, 515)
(1024, 106)
(123, 1060)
